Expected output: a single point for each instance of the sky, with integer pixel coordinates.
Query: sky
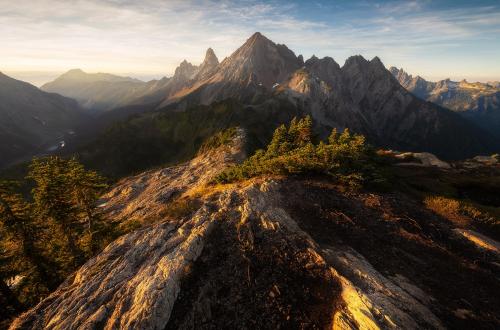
(436, 39)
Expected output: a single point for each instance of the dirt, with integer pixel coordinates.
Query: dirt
(269, 281)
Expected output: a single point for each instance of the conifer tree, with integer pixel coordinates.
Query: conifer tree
(53, 201)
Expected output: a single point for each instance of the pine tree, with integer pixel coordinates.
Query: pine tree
(85, 187)
(21, 252)
(52, 199)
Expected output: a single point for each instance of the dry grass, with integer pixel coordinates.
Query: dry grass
(464, 213)
(448, 208)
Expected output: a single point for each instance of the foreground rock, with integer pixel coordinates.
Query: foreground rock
(273, 253)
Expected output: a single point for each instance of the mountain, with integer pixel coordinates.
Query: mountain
(104, 92)
(101, 91)
(32, 120)
(361, 95)
(281, 253)
(247, 74)
(479, 102)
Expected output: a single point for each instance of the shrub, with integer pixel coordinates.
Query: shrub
(345, 157)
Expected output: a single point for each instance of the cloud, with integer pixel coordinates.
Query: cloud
(153, 36)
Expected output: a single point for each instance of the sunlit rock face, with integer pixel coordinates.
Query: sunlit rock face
(270, 253)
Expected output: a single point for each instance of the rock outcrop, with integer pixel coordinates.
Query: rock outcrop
(271, 253)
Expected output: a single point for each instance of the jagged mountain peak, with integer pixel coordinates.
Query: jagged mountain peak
(208, 65)
(360, 61)
(327, 60)
(312, 59)
(376, 62)
(355, 60)
(258, 37)
(185, 70)
(256, 44)
(210, 57)
(326, 69)
(261, 61)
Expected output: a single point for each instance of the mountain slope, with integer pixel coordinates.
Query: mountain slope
(273, 253)
(476, 101)
(245, 75)
(31, 120)
(101, 91)
(363, 96)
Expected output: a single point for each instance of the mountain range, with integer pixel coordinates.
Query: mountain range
(361, 95)
(480, 102)
(101, 91)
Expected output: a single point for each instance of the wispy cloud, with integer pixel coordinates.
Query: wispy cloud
(153, 36)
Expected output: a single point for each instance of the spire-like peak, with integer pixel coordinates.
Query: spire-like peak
(210, 58)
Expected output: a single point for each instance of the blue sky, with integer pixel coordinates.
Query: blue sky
(40, 39)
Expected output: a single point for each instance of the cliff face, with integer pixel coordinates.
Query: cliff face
(269, 253)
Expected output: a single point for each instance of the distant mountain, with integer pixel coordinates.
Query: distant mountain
(101, 91)
(479, 102)
(104, 92)
(32, 120)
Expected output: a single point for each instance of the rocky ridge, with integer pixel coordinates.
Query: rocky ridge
(268, 253)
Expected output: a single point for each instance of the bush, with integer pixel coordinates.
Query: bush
(345, 157)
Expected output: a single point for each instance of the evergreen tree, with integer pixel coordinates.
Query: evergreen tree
(53, 201)
(345, 157)
(21, 254)
(43, 240)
